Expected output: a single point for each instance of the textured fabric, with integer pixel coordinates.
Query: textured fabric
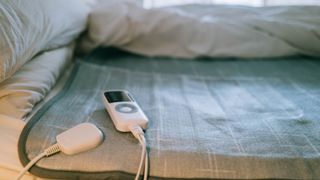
(20, 93)
(203, 30)
(10, 130)
(209, 118)
(30, 27)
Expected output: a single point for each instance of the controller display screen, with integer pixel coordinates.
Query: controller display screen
(117, 96)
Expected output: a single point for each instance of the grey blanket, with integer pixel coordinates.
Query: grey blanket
(223, 118)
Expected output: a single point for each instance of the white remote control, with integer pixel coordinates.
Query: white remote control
(124, 110)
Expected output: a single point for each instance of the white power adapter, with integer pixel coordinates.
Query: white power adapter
(78, 139)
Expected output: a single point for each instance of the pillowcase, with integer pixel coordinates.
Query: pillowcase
(29, 85)
(28, 27)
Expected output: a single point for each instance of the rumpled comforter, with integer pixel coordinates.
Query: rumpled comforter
(198, 30)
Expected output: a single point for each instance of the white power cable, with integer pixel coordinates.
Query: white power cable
(47, 152)
(146, 159)
(70, 142)
(143, 153)
(82, 144)
(139, 134)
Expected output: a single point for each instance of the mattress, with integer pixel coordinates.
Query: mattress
(209, 118)
(10, 130)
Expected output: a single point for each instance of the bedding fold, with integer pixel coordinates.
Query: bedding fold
(33, 81)
(198, 30)
(31, 27)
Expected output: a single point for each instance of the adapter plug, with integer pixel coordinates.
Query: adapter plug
(80, 138)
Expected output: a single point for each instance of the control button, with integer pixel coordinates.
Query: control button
(126, 108)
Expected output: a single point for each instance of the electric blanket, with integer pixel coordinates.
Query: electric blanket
(209, 118)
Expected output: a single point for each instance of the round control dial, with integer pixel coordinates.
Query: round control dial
(126, 108)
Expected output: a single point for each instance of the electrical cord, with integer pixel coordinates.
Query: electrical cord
(143, 153)
(47, 152)
(82, 144)
(146, 162)
(70, 142)
(142, 141)
(139, 134)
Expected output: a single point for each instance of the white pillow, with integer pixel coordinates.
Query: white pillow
(28, 27)
(29, 85)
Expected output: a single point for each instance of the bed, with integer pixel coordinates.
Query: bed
(245, 117)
